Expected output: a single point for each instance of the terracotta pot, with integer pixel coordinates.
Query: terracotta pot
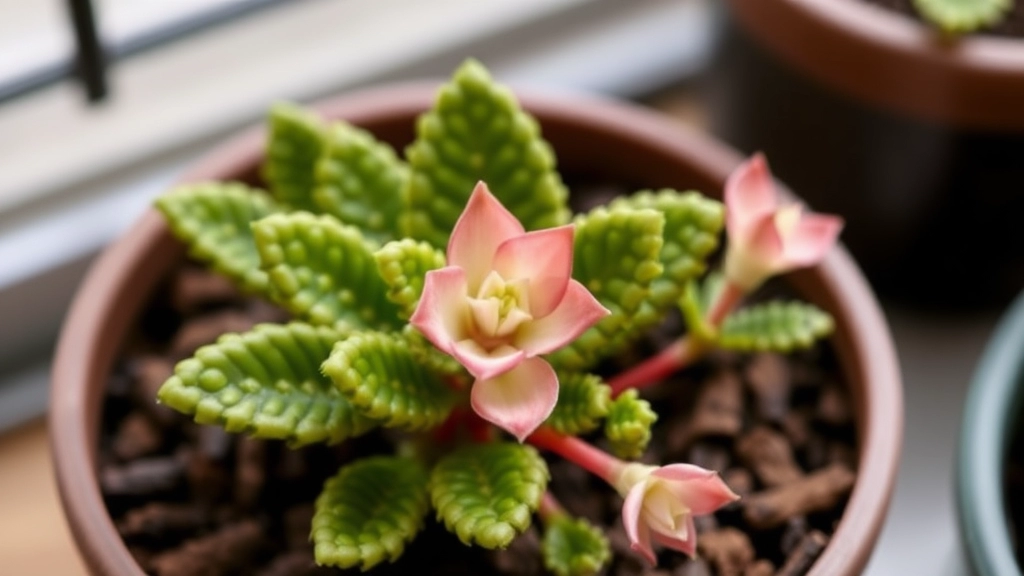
(601, 139)
(916, 141)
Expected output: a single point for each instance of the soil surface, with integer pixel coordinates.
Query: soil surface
(1012, 25)
(192, 500)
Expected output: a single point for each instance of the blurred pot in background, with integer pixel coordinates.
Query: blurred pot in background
(917, 140)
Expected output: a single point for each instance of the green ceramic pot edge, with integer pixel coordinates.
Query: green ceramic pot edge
(992, 403)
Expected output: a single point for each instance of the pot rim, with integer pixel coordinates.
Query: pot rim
(891, 61)
(993, 403)
(74, 427)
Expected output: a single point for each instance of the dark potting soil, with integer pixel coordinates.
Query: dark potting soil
(192, 500)
(1012, 25)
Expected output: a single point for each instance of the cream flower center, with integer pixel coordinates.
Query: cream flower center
(787, 219)
(500, 306)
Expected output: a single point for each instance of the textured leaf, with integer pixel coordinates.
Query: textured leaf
(696, 300)
(775, 327)
(359, 180)
(574, 547)
(403, 264)
(369, 511)
(323, 271)
(213, 220)
(628, 426)
(616, 256)
(266, 382)
(693, 224)
(962, 16)
(583, 400)
(476, 131)
(381, 375)
(295, 141)
(486, 493)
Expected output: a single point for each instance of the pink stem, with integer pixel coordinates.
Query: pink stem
(549, 508)
(601, 464)
(727, 300)
(656, 368)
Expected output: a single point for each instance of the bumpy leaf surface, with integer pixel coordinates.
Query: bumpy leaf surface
(962, 16)
(369, 511)
(775, 327)
(476, 131)
(266, 382)
(324, 271)
(403, 264)
(213, 220)
(574, 547)
(583, 400)
(382, 376)
(486, 493)
(616, 256)
(295, 141)
(359, 180)
(628, 426)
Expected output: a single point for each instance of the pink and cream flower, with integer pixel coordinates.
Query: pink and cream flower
(505, 297)
(766, 238)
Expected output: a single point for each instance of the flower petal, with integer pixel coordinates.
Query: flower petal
(636, 529)
(749, 195)
(481, 228)
(519, 400)
(443, 310)
(682, 472)
(812, 238)
(686, 545)
(701, 493)
(577, 311)
(545, 258)
(485, 364)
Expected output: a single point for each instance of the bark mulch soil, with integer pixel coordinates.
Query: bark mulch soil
(1012, 25)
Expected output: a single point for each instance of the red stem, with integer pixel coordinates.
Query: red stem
(599, 463)
(549, 508)
(726, 301)
(654, 369)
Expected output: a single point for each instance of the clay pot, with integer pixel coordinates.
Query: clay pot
(992, 417)
(914, 139)
(604, 140)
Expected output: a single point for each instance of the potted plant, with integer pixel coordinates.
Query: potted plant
(387, 380)
(989, 455)
(896, 116)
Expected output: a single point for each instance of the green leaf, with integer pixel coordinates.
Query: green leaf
(295, 141)
(476, 131)
(775, 327)
(486, 493)
(403, 264)
(369, 511)
(962, 16)
(583, 400)
(694, 304)
(324, 271)
(693, 224)
(213, 220)
(616, 257)
(574, 547)
(381, 375)
(628, 426)
(266, 382)
(359, 180)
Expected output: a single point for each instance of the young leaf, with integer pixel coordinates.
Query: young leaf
(295, 140)
(574, 547)
(775, 327)
(213, 220)
(963, 16)
(266, 382)
(616, 256)
(485, 493)
(583, 400)
(694, 303)
(323, 271)
(628, 426)
(693, 223)
(403, 264)
(476, 131)
(359, 180)
(379, 373)
(369, 511)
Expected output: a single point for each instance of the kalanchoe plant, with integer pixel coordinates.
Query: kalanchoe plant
(963, 16)
(501, 331)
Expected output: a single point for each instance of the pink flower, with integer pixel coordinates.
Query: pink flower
(505, 297)
(662, 501)
(766, 239)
